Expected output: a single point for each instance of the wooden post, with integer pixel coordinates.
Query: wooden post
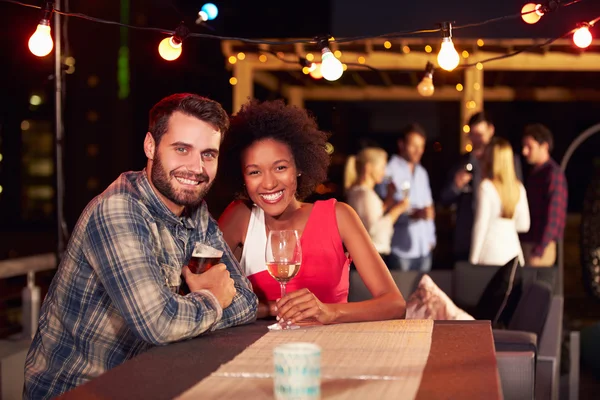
(243, 90)
(471, 103)
(295, 96)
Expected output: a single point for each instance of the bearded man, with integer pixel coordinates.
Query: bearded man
(115, 293)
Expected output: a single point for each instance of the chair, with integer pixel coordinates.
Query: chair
(534, 351)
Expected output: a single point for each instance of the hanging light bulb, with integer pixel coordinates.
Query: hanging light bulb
(40, 43)
(425, 87)
(210, 10)
(331, 68)
(316, 72)
(532, 13)
(307, 66)
(448, 57)
(170, 48)
(582, 36)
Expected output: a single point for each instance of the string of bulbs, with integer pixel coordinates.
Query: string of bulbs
(330, 67)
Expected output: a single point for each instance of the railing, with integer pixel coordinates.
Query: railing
(31, 293)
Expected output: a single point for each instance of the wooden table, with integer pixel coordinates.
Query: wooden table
(461, 365)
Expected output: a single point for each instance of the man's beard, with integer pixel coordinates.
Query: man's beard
(181, 197)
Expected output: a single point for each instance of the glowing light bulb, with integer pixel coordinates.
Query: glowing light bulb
(582, 37)
(425, 87)
(531, 13)
(316, 71)
(331, 68)
(170, 48)
(40, 43)
(211, 11)
(448, 57)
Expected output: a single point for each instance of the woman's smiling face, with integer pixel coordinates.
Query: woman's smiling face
(270, 175)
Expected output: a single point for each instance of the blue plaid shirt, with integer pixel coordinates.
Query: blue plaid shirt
(115, 291)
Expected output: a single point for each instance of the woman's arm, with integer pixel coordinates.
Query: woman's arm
(522, 218)
(387, 301)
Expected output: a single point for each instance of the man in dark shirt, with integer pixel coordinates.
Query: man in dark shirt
(547, 195)
(464, 178)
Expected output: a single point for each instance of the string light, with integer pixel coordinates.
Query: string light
(331, 68)
(425, 87)
(170, 48)
(531, 13)
(210, 10)
(316, 72)
(582, 36)
(307, 65)
(172, 45)
(40, 43)
(448, 58)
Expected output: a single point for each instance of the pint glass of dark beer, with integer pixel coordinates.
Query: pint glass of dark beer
(203, 258)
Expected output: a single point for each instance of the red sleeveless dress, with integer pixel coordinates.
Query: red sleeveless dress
(325, 266)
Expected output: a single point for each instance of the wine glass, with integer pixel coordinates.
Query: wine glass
(283, 256)
(468, 167)
(405, 189)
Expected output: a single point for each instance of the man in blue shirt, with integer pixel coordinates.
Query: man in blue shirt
(414, 232)
(114, 294)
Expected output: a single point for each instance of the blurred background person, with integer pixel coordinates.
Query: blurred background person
(464, 178)
(501, 211)
(362, 173)
(414, 231)
(547, 193)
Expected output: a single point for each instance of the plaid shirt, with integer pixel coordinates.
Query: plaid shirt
(547, 195)
(115, 291)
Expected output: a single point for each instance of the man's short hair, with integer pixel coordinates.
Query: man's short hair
(480, 117)
(540, 133)
(199, 107)
(412, 128)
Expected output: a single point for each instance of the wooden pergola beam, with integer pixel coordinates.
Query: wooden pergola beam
(415, 61)
(449, 93)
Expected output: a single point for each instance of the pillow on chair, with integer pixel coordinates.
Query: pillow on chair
(501, 296)
(428, 301)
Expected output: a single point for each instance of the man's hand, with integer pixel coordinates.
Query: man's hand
(534, 261)
(462, 178)
(216, 280)
(429, 212)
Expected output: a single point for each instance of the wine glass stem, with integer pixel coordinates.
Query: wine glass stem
(282, 285)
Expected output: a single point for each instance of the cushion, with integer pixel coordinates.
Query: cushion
(428, 301)
(501, 295)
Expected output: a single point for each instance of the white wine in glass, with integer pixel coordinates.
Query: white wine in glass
(283, 256)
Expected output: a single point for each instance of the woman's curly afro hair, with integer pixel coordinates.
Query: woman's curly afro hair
(290, 125)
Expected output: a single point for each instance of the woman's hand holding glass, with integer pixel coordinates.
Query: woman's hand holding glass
(283, 256)
(303, 306)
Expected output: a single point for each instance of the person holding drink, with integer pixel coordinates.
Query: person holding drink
(114, 294)
(463, 182)
(414, 231)
(278, 156)
(362, 173)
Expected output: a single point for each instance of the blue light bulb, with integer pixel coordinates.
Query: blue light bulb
(211, 10)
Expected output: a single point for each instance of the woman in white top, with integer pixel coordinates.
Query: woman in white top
(502, 210)
(362, 173)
